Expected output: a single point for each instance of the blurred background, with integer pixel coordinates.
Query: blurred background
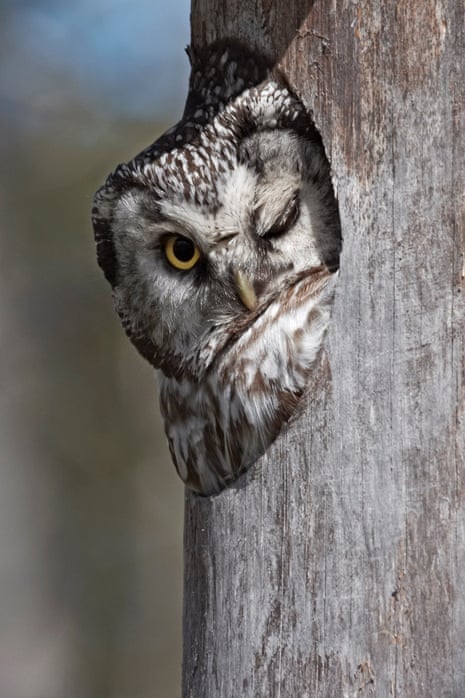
(90, 506)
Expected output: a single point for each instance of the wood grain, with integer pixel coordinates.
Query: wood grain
(336, 566)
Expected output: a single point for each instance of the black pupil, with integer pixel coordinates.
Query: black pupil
(183, 249)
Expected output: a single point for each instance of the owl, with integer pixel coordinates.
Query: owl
(221, 242)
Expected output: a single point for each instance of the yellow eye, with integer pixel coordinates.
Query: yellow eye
(181, 252)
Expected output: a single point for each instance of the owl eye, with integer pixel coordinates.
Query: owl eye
(181, 252)
(286, 219)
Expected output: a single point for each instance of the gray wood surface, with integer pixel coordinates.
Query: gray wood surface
(336, 566)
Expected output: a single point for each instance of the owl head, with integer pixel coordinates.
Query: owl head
(205, 229)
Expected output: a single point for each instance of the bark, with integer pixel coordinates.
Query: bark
(336, 566)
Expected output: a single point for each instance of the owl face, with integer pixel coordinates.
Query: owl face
(188, 269)
(201, 235)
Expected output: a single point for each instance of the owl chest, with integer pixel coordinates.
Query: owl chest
(208, 431)
(218, 426)
(219, 422)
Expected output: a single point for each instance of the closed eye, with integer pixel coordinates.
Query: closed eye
(286, 219)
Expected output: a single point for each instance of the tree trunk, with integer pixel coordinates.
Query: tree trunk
(336, 566)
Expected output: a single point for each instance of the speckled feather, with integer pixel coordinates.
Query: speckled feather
(244, 176)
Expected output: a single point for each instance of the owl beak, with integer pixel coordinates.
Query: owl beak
(245, 290)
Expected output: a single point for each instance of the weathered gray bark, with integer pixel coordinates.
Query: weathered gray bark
(336, 567)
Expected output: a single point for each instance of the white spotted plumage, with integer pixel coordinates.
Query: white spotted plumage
(244, 180)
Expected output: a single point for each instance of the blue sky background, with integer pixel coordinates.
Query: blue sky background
(121, 56)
